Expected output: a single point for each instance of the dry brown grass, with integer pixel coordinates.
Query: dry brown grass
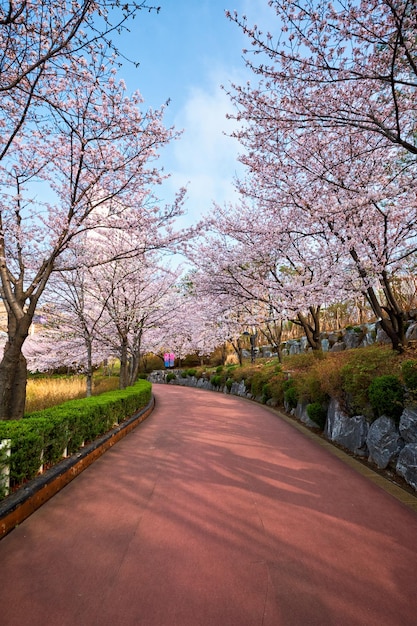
(43, 393)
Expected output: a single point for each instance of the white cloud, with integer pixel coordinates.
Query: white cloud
(206, 156)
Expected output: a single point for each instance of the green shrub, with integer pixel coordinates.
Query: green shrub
(317, 413)
(275, 388)
(229, 383)
(258, 379)
(301, 361)
(409, 374)
(358, 373)
(266, 392)
(170, 376)
(219, 369)
(309, 387)
(192, 372)
(42, 437)
(291, 397)
(216, 380)
(386, 395)
(183, 374)
(26, 451)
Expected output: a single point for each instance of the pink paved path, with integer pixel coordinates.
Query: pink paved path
(213, 512)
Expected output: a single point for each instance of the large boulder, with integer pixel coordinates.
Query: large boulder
(408, 425)
(334, 338)
(204, 383)
(368, 340)
(293, 346)
(353, 338)
(349, 432)
(301, 413)
(384, 442)
(239, 389)
(339, 346)
(407, 464)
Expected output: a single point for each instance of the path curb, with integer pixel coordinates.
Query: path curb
(18, 506)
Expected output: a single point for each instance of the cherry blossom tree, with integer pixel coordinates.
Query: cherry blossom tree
(338, 65)
(348, 201)
(272, 273)
(84, 160)
(138, 295)
(37, 33)
(76, 322)
(329, 134)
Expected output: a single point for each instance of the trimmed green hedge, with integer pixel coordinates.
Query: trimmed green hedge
(42, 437)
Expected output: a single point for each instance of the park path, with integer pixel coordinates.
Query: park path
(213, 512)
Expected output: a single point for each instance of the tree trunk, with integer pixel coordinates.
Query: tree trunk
(223, 353)
(237, 347)
(273, 334)
(134, 368)
(89, 389)
(13, 371)
(312, 331)
(124, 365)
(391, 315)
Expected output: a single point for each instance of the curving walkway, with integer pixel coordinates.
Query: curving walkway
(213, 512)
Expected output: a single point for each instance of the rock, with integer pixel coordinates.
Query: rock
(325, 344)
(408, 425)
(353, 339)
(334, 338)
(273, 402)
(338, 346)
(384, 442)
(411, 333)
(349, 432)
(238, 389)
(368, 340)
(407, 464)
(293, 346)
(381, 335)
(301, 413)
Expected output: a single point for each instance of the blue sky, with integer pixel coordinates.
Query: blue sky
(185, 53)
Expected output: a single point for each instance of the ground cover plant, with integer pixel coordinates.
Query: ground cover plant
(361, 380)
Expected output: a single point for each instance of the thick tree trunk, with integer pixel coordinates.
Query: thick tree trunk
(391, 315)
(134, 368)
(13, 372)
